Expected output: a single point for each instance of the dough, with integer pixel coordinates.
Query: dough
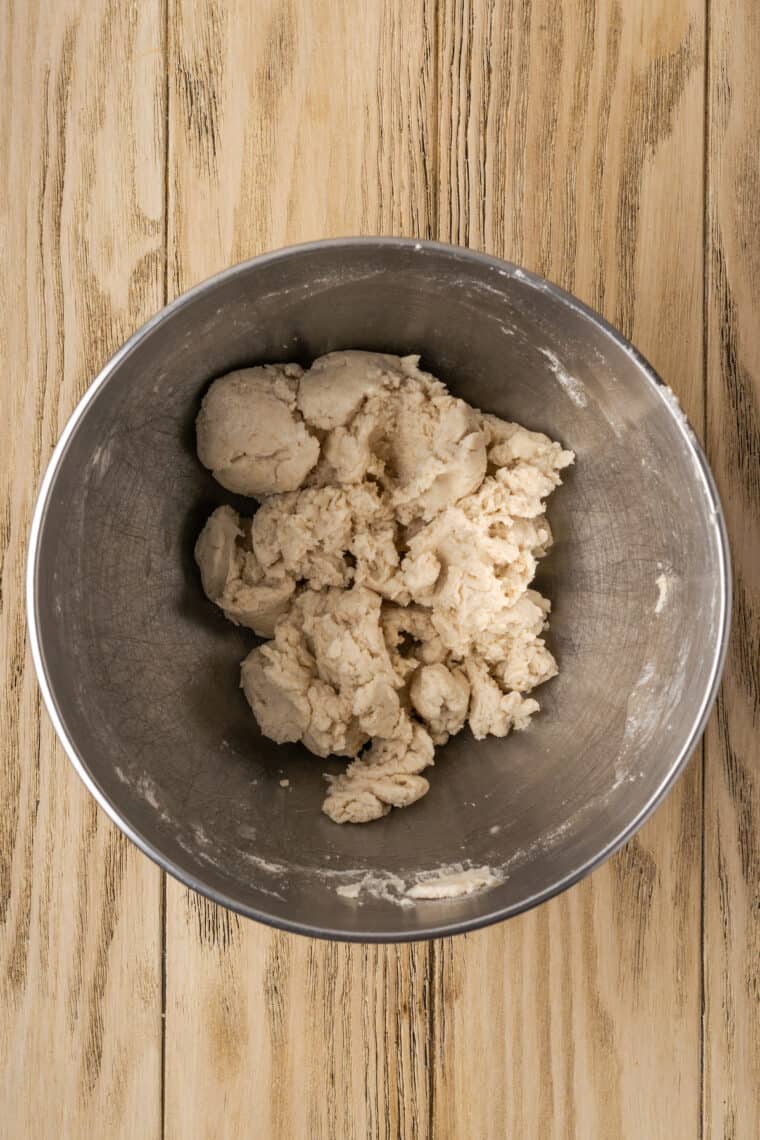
(233, 577)
(337, 385)
(441, 697)
(251, 434)
(386, 776)
(389, 564)
(330, 536)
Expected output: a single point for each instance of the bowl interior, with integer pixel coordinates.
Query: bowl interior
(143, 671)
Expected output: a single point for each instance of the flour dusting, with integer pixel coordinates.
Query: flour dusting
(449, 882)
(452, 885)
(574, 389)
(663, 583)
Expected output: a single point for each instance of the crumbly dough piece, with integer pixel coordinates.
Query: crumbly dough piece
(233, 577)
(435, 450)
(389, 564)
(471, 564)
(441, 697)
(329, 660)
(331, 536)
(389, 420)
(492, 711)
(387, 776)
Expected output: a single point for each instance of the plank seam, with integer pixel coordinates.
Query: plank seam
(162, 1082)
(431, 1049)
(167, 119)
(434, 223)
(706, 437)
(435, 196)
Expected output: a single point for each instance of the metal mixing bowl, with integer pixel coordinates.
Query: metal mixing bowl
(140, 672)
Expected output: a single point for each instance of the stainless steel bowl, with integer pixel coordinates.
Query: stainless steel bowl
(140, 672)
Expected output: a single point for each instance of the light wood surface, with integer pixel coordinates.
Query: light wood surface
(732, 774)
(81, 231)
(588, 1022)
(611, 146)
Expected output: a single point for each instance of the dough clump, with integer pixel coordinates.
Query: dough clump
(388, 565)
(261, 452)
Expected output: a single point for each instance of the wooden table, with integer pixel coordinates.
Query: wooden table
(611, 145)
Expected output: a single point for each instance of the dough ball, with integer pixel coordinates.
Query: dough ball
(335, 387)
(251, 435)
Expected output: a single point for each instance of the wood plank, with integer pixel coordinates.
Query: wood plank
(81, 185)
(570, 141)
(732, 787)
(291, 121)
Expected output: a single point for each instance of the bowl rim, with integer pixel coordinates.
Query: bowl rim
(440, 929)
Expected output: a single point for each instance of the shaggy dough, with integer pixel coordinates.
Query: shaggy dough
(233, 577)
(389, 564)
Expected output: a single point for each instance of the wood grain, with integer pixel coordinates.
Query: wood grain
(145, 146)
(570, 141)
(291, 121)
(81, 146)
(732, 788)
